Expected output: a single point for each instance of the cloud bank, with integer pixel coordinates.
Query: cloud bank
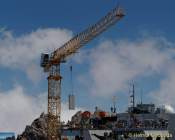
(113, 64)
(18, 109)
(23, 52)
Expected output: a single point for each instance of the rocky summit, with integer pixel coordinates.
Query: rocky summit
(36, 131)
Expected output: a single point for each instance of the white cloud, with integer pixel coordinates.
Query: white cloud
(19, 109)
(166, 93)
(169, 109)
(67, 114)
(112, 65)
(115, 63)
(23, 52)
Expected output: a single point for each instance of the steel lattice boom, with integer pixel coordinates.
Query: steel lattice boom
(51, 64)
(90, 33)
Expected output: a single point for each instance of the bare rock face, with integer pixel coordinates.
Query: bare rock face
(37, 130)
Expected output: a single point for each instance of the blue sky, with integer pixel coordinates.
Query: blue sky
(139, 48)
(76, 15)
(152, 16)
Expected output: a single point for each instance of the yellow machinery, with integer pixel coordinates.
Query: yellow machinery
(51, 64)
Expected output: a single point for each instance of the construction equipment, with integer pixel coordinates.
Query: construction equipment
(51, 64)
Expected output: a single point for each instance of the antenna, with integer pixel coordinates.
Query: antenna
(113, 109)
(141, 96)
(132, 96)
(133, 93)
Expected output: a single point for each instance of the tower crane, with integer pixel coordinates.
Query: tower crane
(51, 65)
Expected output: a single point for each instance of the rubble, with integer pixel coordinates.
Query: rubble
(36, 131)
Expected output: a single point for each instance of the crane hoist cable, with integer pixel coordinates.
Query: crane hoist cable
(71, 80)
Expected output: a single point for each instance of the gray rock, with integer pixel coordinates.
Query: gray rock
(36, 131)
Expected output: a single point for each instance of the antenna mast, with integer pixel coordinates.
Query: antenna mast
(132, 96)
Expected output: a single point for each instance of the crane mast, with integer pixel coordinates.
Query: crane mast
(51, 64)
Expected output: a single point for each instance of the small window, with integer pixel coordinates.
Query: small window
(149, 138)
(158, 138)
(77, 137)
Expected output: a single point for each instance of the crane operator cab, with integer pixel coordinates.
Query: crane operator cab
(44, 61)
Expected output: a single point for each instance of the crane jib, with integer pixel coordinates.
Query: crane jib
(84, 37)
